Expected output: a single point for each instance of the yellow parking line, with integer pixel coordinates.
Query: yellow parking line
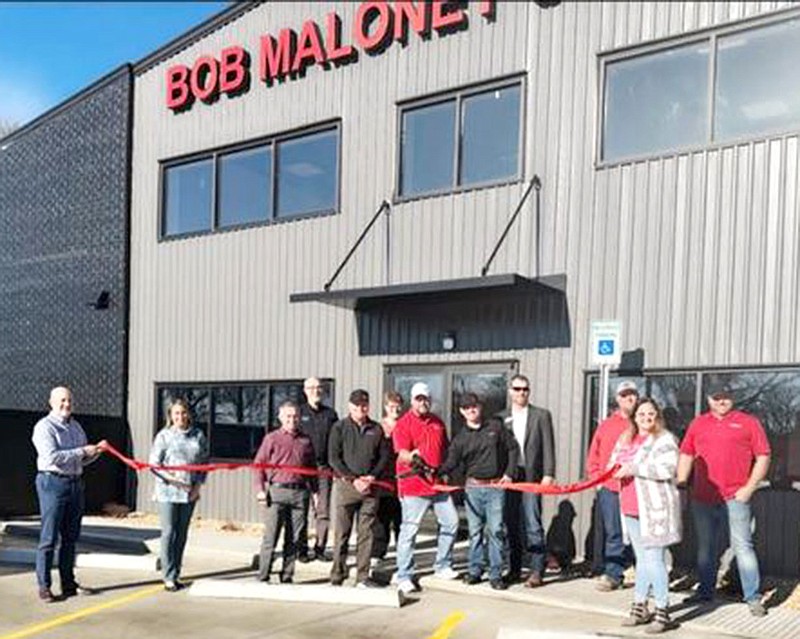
(443, 631)
(80, 614)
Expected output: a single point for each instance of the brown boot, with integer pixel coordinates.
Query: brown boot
(638, 616)
(534, 581)
(661, 622)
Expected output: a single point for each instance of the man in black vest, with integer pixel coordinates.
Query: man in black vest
(316, 420)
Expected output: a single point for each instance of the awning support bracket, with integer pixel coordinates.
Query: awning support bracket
(535, 183)
(385, 207)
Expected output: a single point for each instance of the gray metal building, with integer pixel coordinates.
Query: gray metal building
(649, 149)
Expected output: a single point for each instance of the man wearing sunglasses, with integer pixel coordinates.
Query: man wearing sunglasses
(533, 429)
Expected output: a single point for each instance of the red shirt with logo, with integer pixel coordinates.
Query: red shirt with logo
(603, 442)
(724, 450)
(428, 435)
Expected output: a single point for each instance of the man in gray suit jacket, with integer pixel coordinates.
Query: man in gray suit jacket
(533, 429)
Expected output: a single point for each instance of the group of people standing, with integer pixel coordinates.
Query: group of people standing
(724, 451)
(355, 463)
(366, 458)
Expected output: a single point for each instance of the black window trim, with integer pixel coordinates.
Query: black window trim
(210, 386)
(698, 371)
(458, 94)
(708, 35)
(270, 141)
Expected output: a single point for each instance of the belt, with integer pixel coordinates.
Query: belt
(474, 481)
(53, 473)
(296, 485)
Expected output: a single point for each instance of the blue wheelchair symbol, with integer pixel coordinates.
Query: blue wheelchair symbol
(605, 347)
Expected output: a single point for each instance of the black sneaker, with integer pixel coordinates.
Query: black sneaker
(337, 581)
(76, 589)
(498, 584)
(304, 558)
(287, 580)
(321, 555)
(471, 580)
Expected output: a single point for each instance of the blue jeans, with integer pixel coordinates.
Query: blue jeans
(414, 508)
(615, 553)
(525, 531)
(175, 519)
(484, 508)
(61, 506)
(651, 567)
(708, 521)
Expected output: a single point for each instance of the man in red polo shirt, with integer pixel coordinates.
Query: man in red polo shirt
(615, 556)
(730, 455)
(419, 434)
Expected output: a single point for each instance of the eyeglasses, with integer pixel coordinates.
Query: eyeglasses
(520, 389)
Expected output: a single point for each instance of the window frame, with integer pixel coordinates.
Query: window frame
(272, 142)
(708, 35)
(211, 386)
(459, 94)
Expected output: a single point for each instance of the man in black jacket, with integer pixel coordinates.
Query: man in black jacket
(487, 453)
(316, 420)
(532, 428)
(358, 456)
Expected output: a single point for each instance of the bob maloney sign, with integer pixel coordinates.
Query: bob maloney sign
(375, 26)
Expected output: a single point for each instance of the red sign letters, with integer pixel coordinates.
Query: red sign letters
(375, 26)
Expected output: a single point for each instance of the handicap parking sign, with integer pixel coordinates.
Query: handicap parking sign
(604, 340)
(605, 347)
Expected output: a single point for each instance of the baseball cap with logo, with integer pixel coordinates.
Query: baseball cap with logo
(359, 396)
(468, 400)
(720, 389)
(627, 386)
(420, 389)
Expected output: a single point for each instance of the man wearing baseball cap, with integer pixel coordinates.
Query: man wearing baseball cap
(730, 453)
(616, 555)
(421, 437)
(358, 456)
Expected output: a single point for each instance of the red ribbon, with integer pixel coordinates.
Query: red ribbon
(524, 487)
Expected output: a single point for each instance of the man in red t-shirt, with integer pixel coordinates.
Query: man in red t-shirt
(729, 452)
(615, 555)
(421, 435)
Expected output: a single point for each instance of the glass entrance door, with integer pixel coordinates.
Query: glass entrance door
(448, 382)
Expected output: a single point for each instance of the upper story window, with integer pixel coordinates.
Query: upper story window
(461, 140)
(279, 178)
(727, 85)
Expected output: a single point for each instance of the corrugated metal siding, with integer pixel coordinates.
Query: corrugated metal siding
(659, 244)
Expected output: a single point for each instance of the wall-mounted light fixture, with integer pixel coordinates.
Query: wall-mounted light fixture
(448, 341)
(102, 302)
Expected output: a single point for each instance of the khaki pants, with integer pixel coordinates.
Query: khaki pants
(349, 503)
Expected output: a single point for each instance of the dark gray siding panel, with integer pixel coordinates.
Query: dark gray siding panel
(63, 216)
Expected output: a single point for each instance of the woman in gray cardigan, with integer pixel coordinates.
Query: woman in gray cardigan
(651, 515)
(177, 492)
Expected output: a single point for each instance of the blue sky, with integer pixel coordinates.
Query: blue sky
(51, 50)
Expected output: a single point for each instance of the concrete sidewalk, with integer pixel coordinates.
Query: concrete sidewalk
(207, 540)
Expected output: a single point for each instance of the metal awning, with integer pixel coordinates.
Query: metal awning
(435, 291)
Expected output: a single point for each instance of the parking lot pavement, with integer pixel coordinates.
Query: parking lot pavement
(133, 605)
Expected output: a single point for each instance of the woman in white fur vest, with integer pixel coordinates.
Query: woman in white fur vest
(647, 454)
